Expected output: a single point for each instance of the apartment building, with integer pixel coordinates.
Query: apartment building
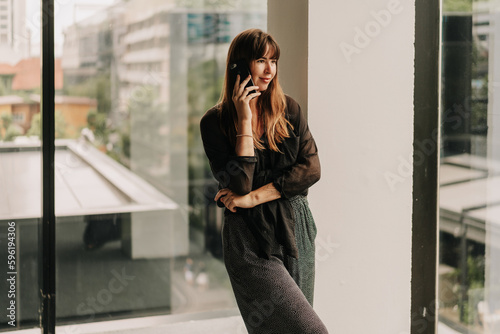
(14, 36)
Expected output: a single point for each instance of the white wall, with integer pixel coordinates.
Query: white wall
(360, 106)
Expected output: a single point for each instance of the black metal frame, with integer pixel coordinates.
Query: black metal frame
(425, 168)
(47, 228)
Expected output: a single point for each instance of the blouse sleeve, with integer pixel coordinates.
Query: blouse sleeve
(307, 170)
(231, 171)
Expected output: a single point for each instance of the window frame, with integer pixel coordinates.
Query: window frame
(47, 225)
(425, 194)
(425, 227)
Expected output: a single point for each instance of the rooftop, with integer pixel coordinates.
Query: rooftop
(27, 74)
(87, 182)
(470, 194)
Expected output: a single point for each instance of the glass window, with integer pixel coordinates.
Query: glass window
(469, 271)
(137, 229)
(20, 182)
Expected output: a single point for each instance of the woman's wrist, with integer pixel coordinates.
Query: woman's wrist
(244, 147)
(253, 198)
(264, 194)
(245, 123)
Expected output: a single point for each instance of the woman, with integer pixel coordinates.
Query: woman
(264, 157)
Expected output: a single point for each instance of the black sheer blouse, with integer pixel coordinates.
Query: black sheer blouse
(292, 172)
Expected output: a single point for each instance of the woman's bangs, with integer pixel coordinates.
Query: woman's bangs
(274, 49)
(262, 46)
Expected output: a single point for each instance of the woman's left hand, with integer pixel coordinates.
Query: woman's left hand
(233, 201)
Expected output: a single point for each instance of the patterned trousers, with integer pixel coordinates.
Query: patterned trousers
(275, 295)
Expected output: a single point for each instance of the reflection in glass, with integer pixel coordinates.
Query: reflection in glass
(469, 269)
(137, 230)
(20, 172)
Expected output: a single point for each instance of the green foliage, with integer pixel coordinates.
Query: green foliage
(475, 283)
(475, 271)
(6, 121)
(120, 140)
(5, 89)
(97, 122)
(60, 125)
(460, 6)
(125, 141)
(12, 132)
(149, 120)
(97, 87)
(36, 127)
(36, 90)
(457, 5)
(10, 129)
(205, 84)
(205, 80)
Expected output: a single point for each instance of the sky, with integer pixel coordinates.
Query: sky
(67, 12)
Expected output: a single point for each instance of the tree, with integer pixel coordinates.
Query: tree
(97, 87)
(4, 88)
(12, 132)
(6, 122)
(60, 125)
(36, 125)
(10, 129)
(97, 122)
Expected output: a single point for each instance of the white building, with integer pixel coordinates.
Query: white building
(14, 37)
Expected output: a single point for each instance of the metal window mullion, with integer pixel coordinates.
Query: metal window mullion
(47, 229)
(425, 168)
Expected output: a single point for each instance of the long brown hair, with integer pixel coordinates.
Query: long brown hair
(250, 45)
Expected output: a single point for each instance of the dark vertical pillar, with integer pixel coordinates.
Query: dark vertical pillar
(464, 286)
(456, 83)
(425, 167)
(47, 227)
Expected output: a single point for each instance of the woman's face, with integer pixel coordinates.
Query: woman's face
(263, 70)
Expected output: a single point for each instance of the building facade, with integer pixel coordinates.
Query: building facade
(14, 35)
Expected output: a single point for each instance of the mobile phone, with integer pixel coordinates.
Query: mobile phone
(240, 67)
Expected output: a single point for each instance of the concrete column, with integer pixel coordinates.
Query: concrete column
(359, 82)
(288, 23)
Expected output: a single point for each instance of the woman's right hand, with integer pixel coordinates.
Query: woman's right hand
(241, 98)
